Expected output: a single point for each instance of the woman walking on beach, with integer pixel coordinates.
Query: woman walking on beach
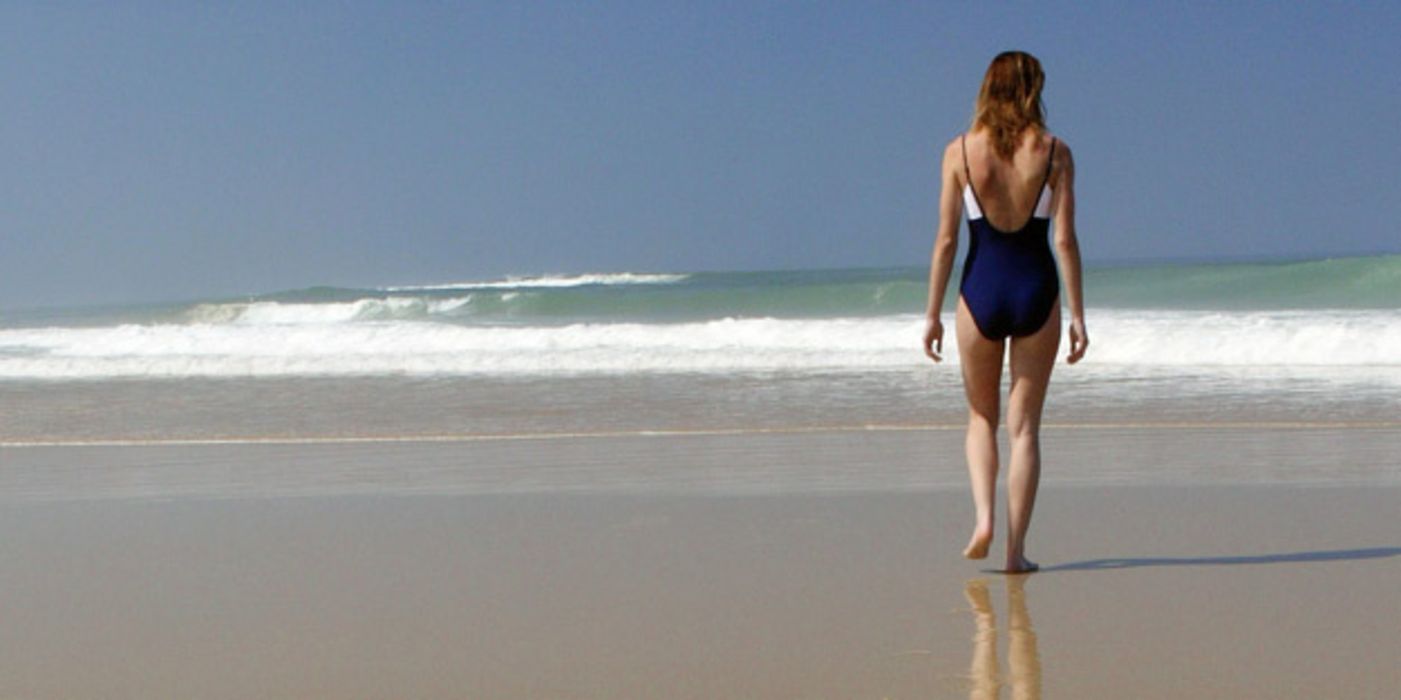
(1013, 178)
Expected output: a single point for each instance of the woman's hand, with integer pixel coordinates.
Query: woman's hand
(934, 338)
(1079, 340)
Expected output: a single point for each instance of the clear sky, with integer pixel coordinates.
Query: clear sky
(180, 150)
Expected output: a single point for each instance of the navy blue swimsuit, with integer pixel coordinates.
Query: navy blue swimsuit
(1009, 278)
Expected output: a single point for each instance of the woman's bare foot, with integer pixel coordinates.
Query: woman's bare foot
(1021, 565)
(978, 546)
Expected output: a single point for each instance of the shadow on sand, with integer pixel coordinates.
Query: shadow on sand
(1290, 558)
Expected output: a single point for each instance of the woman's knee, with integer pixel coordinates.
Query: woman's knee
(1023, 427)
(983, 416)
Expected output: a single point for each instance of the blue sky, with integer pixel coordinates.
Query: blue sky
(179, 150)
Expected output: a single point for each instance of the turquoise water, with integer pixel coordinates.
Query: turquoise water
(1343, 283)
(1338, 283)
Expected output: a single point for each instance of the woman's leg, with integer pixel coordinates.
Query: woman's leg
(1032, 358)
(981, 360)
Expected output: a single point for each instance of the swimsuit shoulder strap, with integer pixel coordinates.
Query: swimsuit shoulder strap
(968, 174)
(1050, 160)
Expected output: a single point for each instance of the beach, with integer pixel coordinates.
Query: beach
(583, 351)
(700, 485)
(739, 565)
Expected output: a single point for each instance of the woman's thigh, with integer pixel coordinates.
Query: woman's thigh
(981, 360)
(1032, 359)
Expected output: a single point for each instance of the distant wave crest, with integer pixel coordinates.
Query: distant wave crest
(272, 312)
(549, 281)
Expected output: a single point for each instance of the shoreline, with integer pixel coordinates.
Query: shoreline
(679, 432)
(703, 462)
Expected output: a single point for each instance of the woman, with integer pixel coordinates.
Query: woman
(1013, 177)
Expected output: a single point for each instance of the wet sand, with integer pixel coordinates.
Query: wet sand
(129, 589)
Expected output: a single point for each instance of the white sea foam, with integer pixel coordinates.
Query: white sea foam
(281, 313)
(615, 278)
(334, 339)
(1248, 339)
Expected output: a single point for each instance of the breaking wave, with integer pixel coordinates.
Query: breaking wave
(341, 343)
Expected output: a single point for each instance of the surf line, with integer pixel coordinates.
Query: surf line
(682, 432)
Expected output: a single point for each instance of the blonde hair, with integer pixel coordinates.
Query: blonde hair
(1010, 100)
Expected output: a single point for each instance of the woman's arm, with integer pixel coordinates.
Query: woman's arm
(945, 248)
(1068, 250)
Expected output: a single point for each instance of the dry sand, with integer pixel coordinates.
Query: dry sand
(1161, 591)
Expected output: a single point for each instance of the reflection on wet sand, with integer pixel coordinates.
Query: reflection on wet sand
(1023, 658)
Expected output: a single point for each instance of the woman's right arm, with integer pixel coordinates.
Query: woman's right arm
(1068, 251)
(945, 248)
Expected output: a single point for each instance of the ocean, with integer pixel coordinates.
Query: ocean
(1278, 343)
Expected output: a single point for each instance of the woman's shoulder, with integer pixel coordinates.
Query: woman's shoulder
(1062, 162)
(1061, 157)
(955, 145)
(957, 149)
(961, 139)
(953, 157)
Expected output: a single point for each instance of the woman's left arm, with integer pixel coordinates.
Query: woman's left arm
(1068, 251)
